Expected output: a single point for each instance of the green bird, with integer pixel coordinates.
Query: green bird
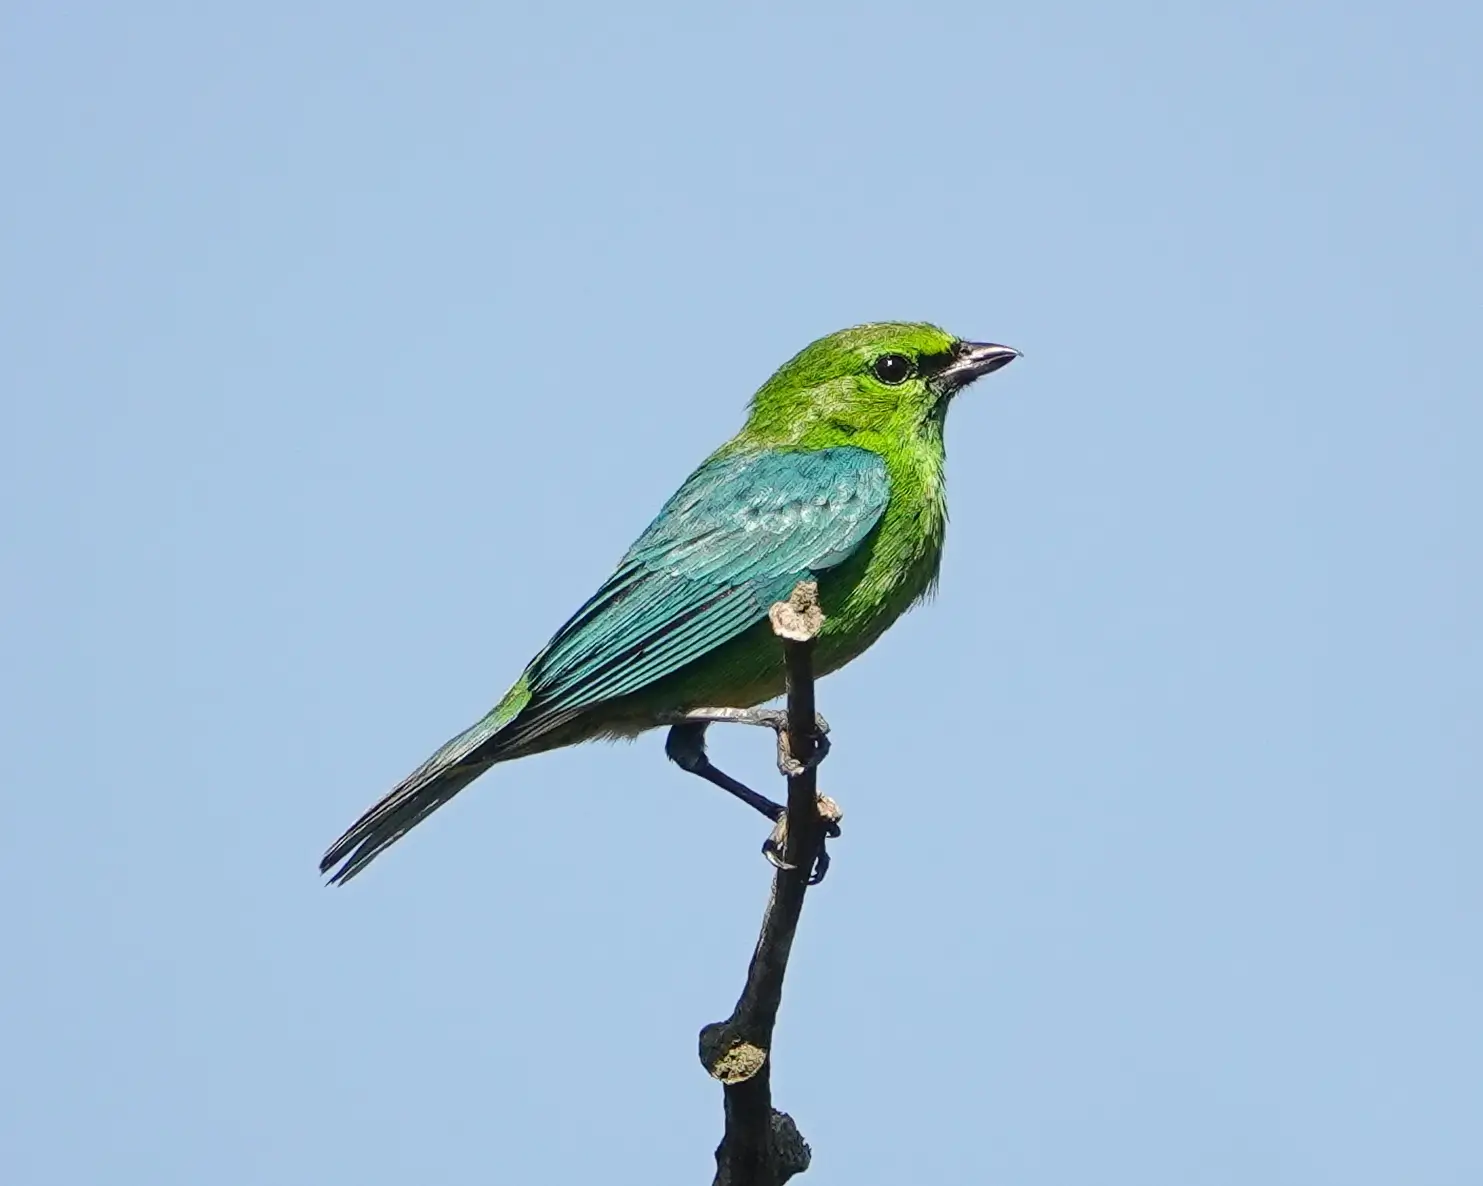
(837, 476)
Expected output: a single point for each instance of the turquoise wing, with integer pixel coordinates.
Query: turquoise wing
(734, 539)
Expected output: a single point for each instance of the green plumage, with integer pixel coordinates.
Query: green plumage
(836, 476)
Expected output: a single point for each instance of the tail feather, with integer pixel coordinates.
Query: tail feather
(391, 819)
(418, 795)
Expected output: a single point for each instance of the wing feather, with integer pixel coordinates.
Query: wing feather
(736, 537)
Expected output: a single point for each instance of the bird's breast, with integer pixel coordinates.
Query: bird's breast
(894, 568)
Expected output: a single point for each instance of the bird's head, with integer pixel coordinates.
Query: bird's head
(889, 378)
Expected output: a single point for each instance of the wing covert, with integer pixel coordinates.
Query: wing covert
(735, 538)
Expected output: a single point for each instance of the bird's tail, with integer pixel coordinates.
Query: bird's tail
(427, 788)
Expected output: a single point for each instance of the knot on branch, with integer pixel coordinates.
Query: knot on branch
(737, 1062)
(791, 1154)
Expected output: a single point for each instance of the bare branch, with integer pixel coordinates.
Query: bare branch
(762, 1146)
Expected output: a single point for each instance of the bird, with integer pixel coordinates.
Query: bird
(837, 476)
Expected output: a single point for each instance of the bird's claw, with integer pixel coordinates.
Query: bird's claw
(776, 719)
(772, 847)
(791, 767)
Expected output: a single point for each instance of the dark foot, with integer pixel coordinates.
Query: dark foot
(769, 718)
(791, 767)
(685, 746)
(773, 846)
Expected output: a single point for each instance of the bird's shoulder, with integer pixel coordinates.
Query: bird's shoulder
(739, 493)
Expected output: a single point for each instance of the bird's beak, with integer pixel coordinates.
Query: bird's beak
(973, 360)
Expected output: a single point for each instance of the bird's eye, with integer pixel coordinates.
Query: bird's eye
(892, 368)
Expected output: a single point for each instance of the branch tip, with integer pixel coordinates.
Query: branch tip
(799, 619)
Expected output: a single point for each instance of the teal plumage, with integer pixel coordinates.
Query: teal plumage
(837, 477)
(739, 534)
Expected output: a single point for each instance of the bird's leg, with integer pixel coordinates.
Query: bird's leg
(769, 718)
(685, 747)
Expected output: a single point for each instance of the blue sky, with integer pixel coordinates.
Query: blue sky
(345, 348)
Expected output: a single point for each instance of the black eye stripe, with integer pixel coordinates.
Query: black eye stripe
(892, 368)
(930, 364)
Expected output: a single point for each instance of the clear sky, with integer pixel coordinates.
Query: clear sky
(346, 346)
